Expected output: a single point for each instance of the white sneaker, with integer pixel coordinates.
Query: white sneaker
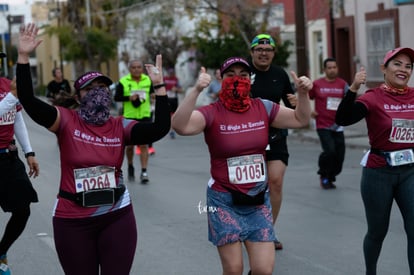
(144, 177)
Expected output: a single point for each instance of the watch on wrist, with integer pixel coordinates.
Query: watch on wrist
(29, 154)
(159, 86)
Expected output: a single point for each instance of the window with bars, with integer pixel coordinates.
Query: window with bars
(380, 39)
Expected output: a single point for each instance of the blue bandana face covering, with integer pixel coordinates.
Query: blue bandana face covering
(95, 106)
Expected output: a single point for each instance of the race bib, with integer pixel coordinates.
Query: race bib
(142, 94)
(8, 118)
(171, 94)
(332, 103)
(98, 177)
(246, 169)
(402, 131)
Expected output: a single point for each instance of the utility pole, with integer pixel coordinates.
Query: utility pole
(59, 15)
(301, 31)
(9, 46)
(88, 13)
(4, 71)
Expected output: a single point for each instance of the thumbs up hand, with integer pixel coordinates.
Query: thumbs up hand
(303, 84)
(203, 80)
(360, 78)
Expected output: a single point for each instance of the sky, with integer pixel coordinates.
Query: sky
(16, 2)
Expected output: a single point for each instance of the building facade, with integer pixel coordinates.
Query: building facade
(356, 33)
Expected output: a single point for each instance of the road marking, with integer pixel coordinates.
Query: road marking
(47, 240)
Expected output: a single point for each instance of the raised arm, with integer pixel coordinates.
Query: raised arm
(144, 133)
(41, 112)
(300, 116)
(186, 120)
(349, 111)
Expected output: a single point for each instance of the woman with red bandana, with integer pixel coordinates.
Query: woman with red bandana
(236, 131)
(388, 172)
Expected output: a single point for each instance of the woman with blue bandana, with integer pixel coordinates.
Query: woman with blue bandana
(94, 225)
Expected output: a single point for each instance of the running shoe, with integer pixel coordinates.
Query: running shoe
(326, 184)
(4, 267)
(144, 177)
(131, 173)
(278, 245)
(151, 151)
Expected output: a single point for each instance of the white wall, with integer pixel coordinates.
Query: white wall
(359, 8)
(314, 48)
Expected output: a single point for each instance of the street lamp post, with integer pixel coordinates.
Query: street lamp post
(59, 11)
(9, 45)
(55, 14)
(4, 70)
(12, 19)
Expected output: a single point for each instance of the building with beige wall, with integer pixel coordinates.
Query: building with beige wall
(356, 33)
(49, 54)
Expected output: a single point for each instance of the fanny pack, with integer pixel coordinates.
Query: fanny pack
(95, 197)
(396, 158)
(10, 151)
(240, 198)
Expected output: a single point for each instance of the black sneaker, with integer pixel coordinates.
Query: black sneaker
(144, 177)
(278, 245)
(327, 184)
(131, 172)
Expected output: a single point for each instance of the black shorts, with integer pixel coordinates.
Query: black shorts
(173, 103)
(278, 150)
(16, 190)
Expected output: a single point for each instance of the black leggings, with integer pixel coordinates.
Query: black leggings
(14, 228)
(103, 244)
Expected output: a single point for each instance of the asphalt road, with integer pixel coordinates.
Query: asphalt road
(322, 230)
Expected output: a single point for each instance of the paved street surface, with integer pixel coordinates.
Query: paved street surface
(322, 230)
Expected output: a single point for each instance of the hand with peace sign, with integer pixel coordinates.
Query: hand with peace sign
(155, 71)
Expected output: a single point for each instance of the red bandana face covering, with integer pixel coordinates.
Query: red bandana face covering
(393, 90)
(235, 94)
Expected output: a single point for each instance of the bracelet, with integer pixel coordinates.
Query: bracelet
(159, 86)
(30, 154)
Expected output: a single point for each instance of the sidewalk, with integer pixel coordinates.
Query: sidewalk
(356, 136)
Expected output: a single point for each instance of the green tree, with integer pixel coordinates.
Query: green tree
(89, 37)
(162, 36)
(155, 29)
(229, 33)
